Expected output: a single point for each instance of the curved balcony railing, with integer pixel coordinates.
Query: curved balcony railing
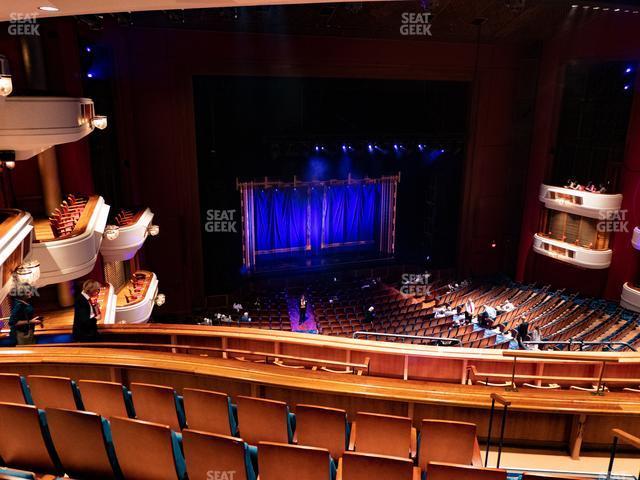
(583, 203)
(30, 125)
(570, 253)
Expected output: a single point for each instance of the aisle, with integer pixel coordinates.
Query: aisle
(309, 325)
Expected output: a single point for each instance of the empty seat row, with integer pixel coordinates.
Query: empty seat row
(255, 420)
(84, 445)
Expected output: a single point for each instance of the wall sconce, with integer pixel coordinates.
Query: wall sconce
(111, 232)
(99, 122)
(28, 272)
(6, 84)
(160, 299)
(153, 230)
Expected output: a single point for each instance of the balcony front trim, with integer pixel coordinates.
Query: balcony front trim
(594, 205)
(583, 257)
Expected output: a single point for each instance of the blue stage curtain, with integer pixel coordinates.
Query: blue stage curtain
(281, 220)
(349, 215)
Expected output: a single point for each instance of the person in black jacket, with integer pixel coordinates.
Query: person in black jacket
(22, 321)
(86, 312)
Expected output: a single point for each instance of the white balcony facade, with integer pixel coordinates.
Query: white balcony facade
(570, 253)
(30, 125)
(129, 240)
(72, 257)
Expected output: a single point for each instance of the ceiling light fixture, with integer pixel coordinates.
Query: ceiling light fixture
(48, 8)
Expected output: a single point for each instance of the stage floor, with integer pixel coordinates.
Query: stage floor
(293, 263)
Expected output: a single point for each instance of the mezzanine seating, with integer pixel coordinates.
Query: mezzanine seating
(25, 440)
(158, 404)
(54, 392)
(450, 471)
(279, 461)
(83, 443)
(210, 411)
(365, 466)
(261, 420)
(146, 450)
(206, 452)
(109, 399)
(14, 389)
(383, 435)
(322, 427)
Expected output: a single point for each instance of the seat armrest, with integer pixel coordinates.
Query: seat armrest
(339, 472)
(476, 458)
(417, 474)
(352, 437)
(414, 442)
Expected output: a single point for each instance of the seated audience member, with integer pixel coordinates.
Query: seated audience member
(523, 331)
(245, 317)
(237, 307)
(86, 312)
(503, 335)
(602, 189)
(470, 307)
(506, 307)
(535, 337)
(441, 311)
(22, 322)
(513, 343)
(369, 314)
(458, 317)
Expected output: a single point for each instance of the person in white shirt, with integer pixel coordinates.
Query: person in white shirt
(507, 306)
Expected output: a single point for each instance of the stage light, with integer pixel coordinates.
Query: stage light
(596, 8)
(344, 148)
(89, 75)
(88, 49)
(421, 147)
(10, 164)
(370, 148)
(628, 70)
(395, 147)
(161, 298)
(574, 6)
(493, 244)
(616, 10)
(153, 230)
(49, 8)
(442, 150)
(627, 86)
(317, 148)
(99, 122)
(111, 232)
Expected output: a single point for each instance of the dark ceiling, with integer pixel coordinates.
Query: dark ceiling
(451, 20)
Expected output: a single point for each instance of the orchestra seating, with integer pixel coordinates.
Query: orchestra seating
(111, 446)
(339, 309)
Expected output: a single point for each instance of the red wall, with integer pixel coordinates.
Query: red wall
(608, 36)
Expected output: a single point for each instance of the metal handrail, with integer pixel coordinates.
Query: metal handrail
(580, 343)
(412, 337)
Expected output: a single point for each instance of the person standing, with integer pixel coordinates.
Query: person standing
(22, 322)
(303, 309)
(86, 312)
